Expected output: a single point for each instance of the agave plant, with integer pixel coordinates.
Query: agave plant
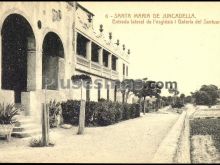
(7, 113)
(54, 112)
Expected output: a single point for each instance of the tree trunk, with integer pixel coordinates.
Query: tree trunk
(157, 105)
(126, 97)
(144, 105)
(123, 97)
(173, 100)
(147, 106)
(140, 104)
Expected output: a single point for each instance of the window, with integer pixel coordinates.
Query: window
(105, 58)
(114, 62)
(123, 69)
(127, 71)
(81, 45)
(95, 52)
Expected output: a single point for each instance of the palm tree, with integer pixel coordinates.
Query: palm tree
(182, 97)
(175, 92)
(147, 90)
(81, 78)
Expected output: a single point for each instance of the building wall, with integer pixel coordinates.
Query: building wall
(94, 90)
(57, 17)
(48, 14)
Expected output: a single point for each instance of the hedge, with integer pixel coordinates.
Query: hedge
(99, 113)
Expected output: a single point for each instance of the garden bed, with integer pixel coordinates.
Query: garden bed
(204, 128)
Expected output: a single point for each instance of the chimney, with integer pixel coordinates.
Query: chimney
(117, 43)
(101, 29)
(90, 18)
(110, 36)
(123, 47)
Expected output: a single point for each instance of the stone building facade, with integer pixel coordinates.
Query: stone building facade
(42, 43)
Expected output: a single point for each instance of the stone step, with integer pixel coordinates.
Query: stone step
(24, 119)
(26, 133)
(25, 127)
(18, 129)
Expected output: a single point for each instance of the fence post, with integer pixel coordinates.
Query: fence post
(45, 125)
(82, 117)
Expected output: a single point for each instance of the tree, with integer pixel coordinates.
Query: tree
(188, 99)
(182, 97)
(81, 79)
(126, 87)
(149, 88)
(207, 95)
(166, 100)
(202, 98)
(212, 91)
(175, 93)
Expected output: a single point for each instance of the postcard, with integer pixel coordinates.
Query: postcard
(109, 82)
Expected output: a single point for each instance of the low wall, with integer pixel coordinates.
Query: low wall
(33, 100)
(175, 147)
(183, 148)
(6, 96)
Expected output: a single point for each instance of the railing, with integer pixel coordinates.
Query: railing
(114, 72)
(82, 61)
(96, 66)
(106, 70)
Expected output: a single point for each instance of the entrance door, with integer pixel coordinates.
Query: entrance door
(16, 34)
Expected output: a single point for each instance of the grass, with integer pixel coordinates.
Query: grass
(206, 127)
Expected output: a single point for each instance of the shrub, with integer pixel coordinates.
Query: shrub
(118, 111)
(7, 113)
(99, 113)
(135, 110)
(178, 104)
(126, 111)
(90, 118)
(106, 115)
(102, 100)
(70, 111)
(54, 113)
(37, 142)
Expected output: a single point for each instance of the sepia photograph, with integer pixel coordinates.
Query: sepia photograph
(109, 82)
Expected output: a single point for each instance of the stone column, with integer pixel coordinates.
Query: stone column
(116, 64)
(34, 66)
(61, 71)
(39, 56)
(89, 52)
(75, 47)
(0, 61)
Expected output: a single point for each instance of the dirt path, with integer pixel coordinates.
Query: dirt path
(135, 140)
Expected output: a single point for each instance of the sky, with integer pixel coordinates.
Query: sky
(186, 53)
